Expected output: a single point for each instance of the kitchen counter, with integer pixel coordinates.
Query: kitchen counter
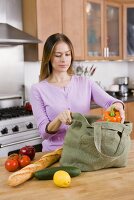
(130, 98)
(107, 184)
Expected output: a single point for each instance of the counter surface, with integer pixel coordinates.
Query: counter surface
(130, 98)
(107, 184)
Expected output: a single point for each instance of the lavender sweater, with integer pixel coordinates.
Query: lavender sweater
(48, 101)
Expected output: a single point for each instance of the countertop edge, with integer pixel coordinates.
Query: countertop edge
(124, 99)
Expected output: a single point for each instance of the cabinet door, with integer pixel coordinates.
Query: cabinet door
(41, 19)
(113, 35)
(130, 115)
(96, 111)
(103, 29)
(29, 16)
(73, 25)
(128, 28)
(49, 20)
(94, 32)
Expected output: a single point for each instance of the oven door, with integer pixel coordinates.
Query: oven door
(14, 147)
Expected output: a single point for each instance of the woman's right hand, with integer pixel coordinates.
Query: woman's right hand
(65, 117)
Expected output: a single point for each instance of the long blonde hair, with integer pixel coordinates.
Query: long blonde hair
(46, 66)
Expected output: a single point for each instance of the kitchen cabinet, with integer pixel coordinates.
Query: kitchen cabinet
(103, 29)
(73, 25)
(129, 107)
(126, 1)
(43, 18)
(88, 23)
(96, 111)
(128, 28)
(98, 29)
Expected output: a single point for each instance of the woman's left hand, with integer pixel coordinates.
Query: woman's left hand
(120, 107)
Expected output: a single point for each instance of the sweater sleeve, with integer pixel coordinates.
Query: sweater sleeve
(39, 112)
(102, 98)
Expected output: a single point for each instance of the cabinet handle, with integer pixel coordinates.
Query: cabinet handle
(105, 52)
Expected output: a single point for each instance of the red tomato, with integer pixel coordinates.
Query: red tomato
(29, 151)
(24, 160)
(11, 165)
(13, 156)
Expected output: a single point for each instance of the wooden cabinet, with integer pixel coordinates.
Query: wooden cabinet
(91, 35)
(96, 111)
(98, 29)
(128, 36)
(129, 107)
(43, 18)
(73, 25)
(103, 29)
(127, 1)
(113, 39)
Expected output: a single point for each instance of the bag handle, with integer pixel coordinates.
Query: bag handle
(117, 126)
(98, 138)
(77, 117)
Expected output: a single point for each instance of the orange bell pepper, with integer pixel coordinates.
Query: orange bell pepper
(112, 116)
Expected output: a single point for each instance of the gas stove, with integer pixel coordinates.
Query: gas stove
(13, 112)
(17, 129)
(15, 120)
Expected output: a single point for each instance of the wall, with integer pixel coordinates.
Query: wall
(31, 76)
(106, 71)
(105, 74)
(11, 70)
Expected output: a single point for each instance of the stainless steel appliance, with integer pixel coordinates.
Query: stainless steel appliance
(123, 86)
(17, 129)
(10, 13)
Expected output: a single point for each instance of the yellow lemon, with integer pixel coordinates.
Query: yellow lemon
(62, 178)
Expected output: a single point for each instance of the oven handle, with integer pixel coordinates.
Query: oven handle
(19, 142)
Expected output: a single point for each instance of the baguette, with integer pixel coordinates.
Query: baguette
(26, 173)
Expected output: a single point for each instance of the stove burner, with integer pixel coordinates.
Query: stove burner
(12, 112)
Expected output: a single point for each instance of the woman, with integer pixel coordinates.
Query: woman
(60, 92)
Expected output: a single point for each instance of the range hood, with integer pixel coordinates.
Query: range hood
(10, 35)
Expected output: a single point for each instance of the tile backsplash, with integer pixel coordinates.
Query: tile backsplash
(106, 72)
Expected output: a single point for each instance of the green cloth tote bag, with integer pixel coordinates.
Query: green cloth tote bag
(92, 145)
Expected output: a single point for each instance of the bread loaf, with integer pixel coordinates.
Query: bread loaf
(26, 173)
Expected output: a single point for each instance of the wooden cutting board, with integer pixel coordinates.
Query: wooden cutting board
(108, 184)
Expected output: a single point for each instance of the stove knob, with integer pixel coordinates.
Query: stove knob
(30, 125)
(4, 131)
(15, 129)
